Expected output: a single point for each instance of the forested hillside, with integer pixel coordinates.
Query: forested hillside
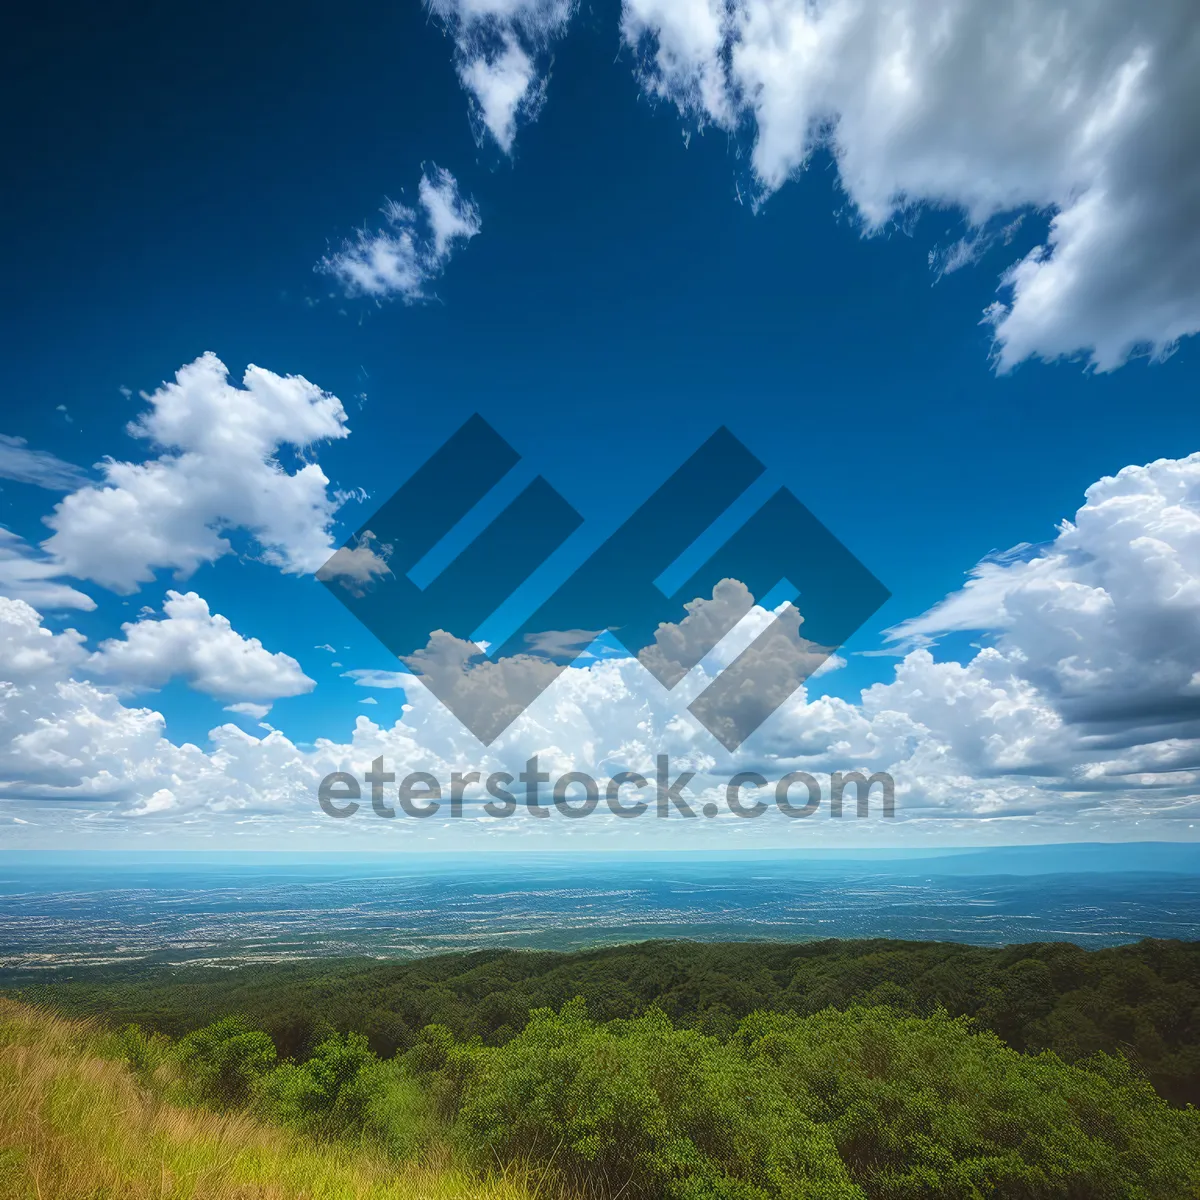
(1141, 1002)
(860, 1104)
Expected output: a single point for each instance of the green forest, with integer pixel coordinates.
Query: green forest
(692, 1071)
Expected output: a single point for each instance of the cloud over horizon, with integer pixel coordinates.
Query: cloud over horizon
(1081, 711)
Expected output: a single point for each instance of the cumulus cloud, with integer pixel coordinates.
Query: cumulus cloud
(679, 645)
(485, 694)
(357, 565)
(65, 738)
(1087, 112)
(219, 471)
(1105, 620)
(68, 740)
(761, 678)
(412, 248)
(40, 467)
(500, 48)
(28, 574)
(202, 648)
(1079, 716)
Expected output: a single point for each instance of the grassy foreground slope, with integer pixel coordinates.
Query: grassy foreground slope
(77, 1124)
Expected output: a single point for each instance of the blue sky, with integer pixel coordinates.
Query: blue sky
(641, 274)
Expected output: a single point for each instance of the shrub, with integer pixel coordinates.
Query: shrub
(923, 1107)
(222, 1062)
(397, 1113)
(144, 1052)
(325, 1094)
(642, 1109)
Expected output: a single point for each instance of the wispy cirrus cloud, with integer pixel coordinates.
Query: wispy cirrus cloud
(412, 248)
(500, 50)
(30, 575)
(25, 465)
(371, 678)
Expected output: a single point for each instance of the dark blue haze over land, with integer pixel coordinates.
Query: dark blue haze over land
(76, 913)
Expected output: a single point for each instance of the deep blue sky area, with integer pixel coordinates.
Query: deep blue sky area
(173, 174)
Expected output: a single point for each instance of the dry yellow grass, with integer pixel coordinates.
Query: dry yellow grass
(77, 1126)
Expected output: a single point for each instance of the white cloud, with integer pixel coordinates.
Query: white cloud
(451, 218)
(40, 467)
(63, 738)
(485, 694)
(201, 647)
(379, 679)
(27, 574)
(1105, 620)
(218, 472)
(499, 45)
(357, 565)
(500, 86)
(1089, 112)
(1079, 719)
(414, 247)
(679, 646)
(247, 708)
